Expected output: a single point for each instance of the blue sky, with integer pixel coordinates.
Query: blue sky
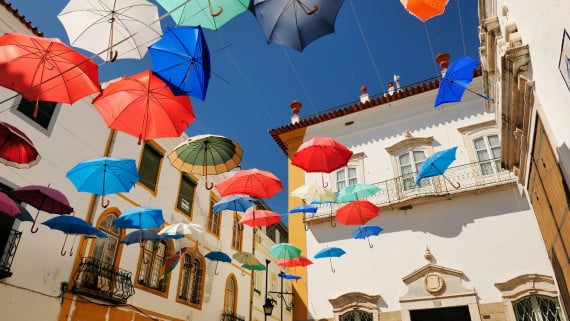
(264, 78)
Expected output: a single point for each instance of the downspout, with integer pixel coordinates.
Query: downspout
(251, 283)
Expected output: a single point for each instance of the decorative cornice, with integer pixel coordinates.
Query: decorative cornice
(409, 142)
(526, 284)
(22, 18)
(474, 127)
(428, 269)
(349, 301)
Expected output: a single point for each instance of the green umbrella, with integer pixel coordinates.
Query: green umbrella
(206, 154)
(356, 191)
(257, 267)
(211, 14)
(285, 251)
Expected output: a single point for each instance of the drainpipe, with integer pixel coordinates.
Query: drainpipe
(251, 283)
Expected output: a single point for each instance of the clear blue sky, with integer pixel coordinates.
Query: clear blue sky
(264, 78)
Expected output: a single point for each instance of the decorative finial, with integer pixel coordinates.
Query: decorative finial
(407, 134)
(427, 254)
(295, 108)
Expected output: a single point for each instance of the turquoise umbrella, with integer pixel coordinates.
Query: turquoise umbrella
(211, 14)
(437, 164)
(330, 252)
(356, 192)
(285, 251)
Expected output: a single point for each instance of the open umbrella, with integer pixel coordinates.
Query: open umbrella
(260, 218)
(182, 59)
(72, 225)
(206, 154)
(296, 23)
(357, 212)
(139, 236)
(238, 203)
(103, 176)
(286, 276)
(252, 182)
(294, 262)
(140, 218)
(43, 198)
(211, 14)
(102, 26)
(256, 267)
(218, 256)
(437, 164)
(365, 231)
(8, 206)
(456, 80)
(192, 229)
(24, 215)
(16, 149)
(330, 252)
(143, 106)
(246, 258)
(45, 69)
(304, 209)
(314, 193)
(424, 9)
(285, 251)
(356, 191)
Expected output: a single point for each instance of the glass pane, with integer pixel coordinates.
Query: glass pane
(340, 175)
(494, 140)
(479, 143)
(482, 155)
(486, 168)
(523, 310)
(149, 166)
(496, 152)
(186, 195)
(409, 181)
(404, 170)
(548, 308)
(418, 166)
(351, 172)
(498, 165)
(352, 181)
(404, 159)
(419, 155)
(340, 185)
(45, 111)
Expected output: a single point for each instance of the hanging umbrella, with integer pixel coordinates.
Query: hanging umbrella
(211, 14)
(256, 267)
(314, 193)
(218, 257)
(238, 203)
(456, 80)
(139, 236)
(296, 23)
(140, 218)
(357, 212)
(43, 198)
(321, 154)
(294, 262)
(356, 191)
(437, 164)
(285, 251)
(103, 176)
(45, 69)
(304, 209)
(16, 149)
(72, 225)
(365, 231)
(194, 230)
(424, 9)
(246, 258)
(24, 215)
(252, 182)
(260, 218)
(286, 276)
(330, 252)
(143, 106)
(182, 59)
(102, 26)
(8, 206)
(206, 154)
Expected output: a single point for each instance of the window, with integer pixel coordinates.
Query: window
(213, 219)
(186, 195)
(191, 279)
(356, 316)
(344, 177)
(237, 234)
(44, 114)
(257, 282)
(154, 257)
(488, 151)
(410, 164)
(149, 167)
(537, 308)
(230, 295)
(106, 248)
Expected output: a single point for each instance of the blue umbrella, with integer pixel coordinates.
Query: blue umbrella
(104, 176)
(139, 236)
(330, 252)
(286, 276)
(304, 209)
(365, 231)
(182, 59)
(218, 257)
(140, 218)
(456, 80)
(295, 23)
(72, 225)
(437, 164)
(238, 203)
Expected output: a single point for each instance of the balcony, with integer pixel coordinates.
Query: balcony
(9, 253)
(402, 192)
(103, 281)
(230, 316)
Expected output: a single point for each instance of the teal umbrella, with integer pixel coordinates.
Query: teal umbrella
(257, 267)
(285, 251)
(356, 192)
(211, 14)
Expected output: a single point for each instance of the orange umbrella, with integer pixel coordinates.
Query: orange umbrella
(357, 212)
(260, 218)
(252, 182)
(425, 9)
(299, 261)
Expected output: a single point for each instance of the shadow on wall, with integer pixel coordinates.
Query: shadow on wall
(564, 156)
(443, 218)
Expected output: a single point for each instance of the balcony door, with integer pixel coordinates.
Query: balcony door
(106, 248)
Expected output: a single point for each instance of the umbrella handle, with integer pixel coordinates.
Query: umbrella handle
(310, 12)
(216, 269)
(212, 13)
(103, 203)
(369, 244)
(113, 54)
(209, 186)
(63, 252)
(333, 223)
(332, 268)
(325, 184)
(451, 183)
(36, 109)
(306, 227)
(140, 139)
(32, 229)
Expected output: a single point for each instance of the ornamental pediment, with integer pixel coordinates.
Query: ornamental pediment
(433, 280)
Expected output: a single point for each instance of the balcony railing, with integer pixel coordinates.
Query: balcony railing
(9, 253)
(401, 192)
(230, 316)
(104, 281)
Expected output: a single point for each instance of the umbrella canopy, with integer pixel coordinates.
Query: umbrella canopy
(321, 154)
(139, 236)
(437, 164)
(140, 218)
(257, 267)
(24, 215)
(425, 9)
(357, 212)
(182, 59)
(330, 252)
(102, 26)
(218, 256)
(183, 228)
(456, 80)
(260, 218)
(45, 69)
(206, 154)
(103, 176)
(356, 191)
(246, 258)
(298, 261)
(252, 182)
(296, 23)
(304, 209)
(16, 149)
(211, 14)
(73, 225)
(314, 193)
(285, 251)
(238, 203)
(8, 206)
(365, 231)
(286, 276)
(143, 106)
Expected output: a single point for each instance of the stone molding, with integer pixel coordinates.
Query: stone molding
(526, 284)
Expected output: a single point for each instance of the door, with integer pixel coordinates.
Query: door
(460, 313)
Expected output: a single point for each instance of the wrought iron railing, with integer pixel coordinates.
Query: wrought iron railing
(104, 281)
(230, 316)
(9, 253)
(402, 191)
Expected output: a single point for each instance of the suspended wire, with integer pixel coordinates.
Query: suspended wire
(431, 49)
(299, 80)
(461, 27)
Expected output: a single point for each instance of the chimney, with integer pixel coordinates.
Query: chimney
(397, 81)
(442, 60)
(390, 89)
(364, 98)
(295, 108)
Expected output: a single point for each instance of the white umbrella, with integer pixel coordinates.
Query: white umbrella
(96, 25)
(182, 228)
(314, 193)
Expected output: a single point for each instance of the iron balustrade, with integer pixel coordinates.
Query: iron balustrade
(401, 191)
(230, 316)
(100, 280)
(9, 253)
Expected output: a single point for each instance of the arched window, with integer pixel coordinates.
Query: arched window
(106, 248)
(230, 296)
(357, 316)
(191, 279)
(537, 308)
(154, 256)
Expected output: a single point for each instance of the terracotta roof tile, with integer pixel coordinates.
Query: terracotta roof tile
(22, 18)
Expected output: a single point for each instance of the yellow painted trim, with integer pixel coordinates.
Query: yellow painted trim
(215, 199)
(157, 314)
(126, 198)
(231, 276)
(161, 151)
(176, 209)
(236, 226)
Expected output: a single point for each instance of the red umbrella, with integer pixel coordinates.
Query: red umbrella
(260, 218)
(357, 212)
(299, 261)
(8, 206)
(45, 69)
(16, 149)
(143, 106)
(252, 182)
(321, 154)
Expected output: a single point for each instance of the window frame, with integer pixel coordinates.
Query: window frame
(489, 149)
(192, 179)
(214, 199)
(157, 148)
(237, 231)
(535, 306)
(194, 255)
(168, 254)
(29, 119)
(415, 169)
(357, 162)
(235, 294)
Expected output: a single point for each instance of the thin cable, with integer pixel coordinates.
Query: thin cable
(461, 27)
(431, 49)
(299, 80)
